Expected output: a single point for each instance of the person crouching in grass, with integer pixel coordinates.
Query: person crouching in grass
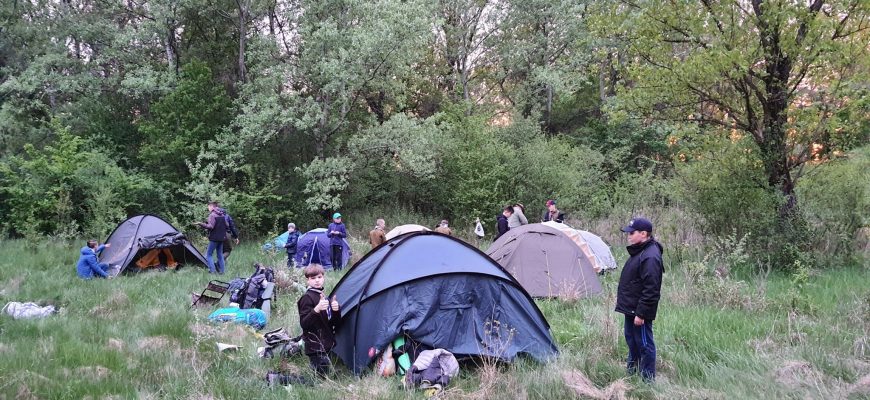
(318, 318)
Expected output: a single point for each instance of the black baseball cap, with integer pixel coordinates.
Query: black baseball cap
(638, 224)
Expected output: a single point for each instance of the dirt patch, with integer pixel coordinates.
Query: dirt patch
(156, 343)
(764, 346)
(97, 372)
(118, 299)
(115, 344)
(583, 387)
(24, 393)
(861, 387)
(797, 374)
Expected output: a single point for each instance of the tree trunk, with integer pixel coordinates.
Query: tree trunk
(243, 6)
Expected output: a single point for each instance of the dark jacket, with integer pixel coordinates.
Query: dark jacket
(501, 225)
(336, 239)
(641, 281)
(88, 266)
(560, 216)
(318, 329)
(231, 225)
(292, 240)
(216, 225)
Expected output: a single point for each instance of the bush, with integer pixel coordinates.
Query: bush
(835, 199)
(67, 189)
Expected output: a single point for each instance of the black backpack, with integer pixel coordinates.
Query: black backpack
(246, 297)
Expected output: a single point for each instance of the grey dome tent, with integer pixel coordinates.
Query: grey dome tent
(442, 293)
(546, 262)
(136, 236)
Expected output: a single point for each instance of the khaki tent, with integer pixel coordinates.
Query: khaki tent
(403, 229)
(546, 261)
(593, 247)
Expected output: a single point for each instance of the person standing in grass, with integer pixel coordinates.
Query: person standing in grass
(216, 225)
(336, 234)
(518, 218)
(318, 318)
(552, 213)
(444, 228)
(377, 236)
(637, 296)
(88, 265)
(290, 245)
(502, 221)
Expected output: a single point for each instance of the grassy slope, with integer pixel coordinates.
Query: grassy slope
(134, 337)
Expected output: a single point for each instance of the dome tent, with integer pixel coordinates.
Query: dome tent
(403, 229)
(442, 293)
(138, 235)
(593, 247)
(546, 261)
(313, 247)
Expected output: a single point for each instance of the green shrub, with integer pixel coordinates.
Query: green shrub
(66, 189)
(835, 198)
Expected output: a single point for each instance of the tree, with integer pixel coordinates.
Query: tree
(775, 71)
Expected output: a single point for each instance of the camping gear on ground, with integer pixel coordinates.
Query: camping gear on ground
(546, 262)
(279, 342)
(27, 310)
(157, 258)
(251, 316)
(211, 295)
(593, 247)
(432, 369)
(137, 236)
(442, 293)
(403, 229)
(313, 247)
(284, 379)
(250, 293)
(222, 347)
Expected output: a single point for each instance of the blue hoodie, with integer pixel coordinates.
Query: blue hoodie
(88, 266)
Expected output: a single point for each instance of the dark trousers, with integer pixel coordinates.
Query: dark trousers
(320, 363)
(641, 348)
(336, 257)
(291, 260)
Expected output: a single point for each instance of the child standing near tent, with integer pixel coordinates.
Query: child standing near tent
(318, 318)
(290, 244)
(336, 235)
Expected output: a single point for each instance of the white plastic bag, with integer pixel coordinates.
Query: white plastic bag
(27, 310)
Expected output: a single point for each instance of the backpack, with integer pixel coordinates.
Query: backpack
(247, 295)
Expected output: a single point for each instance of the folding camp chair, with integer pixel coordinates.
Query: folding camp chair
(212, 294)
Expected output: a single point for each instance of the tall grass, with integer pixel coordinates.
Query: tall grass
(135, 337)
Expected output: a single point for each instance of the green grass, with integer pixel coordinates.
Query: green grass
(134, 337)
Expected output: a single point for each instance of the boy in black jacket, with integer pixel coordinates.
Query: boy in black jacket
(318, 318)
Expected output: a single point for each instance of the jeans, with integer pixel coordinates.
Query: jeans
(212, 247)
(641, 348)
(291, 260)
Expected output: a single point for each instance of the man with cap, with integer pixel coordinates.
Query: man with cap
(552, 213)
(637, 296)
(336, 234)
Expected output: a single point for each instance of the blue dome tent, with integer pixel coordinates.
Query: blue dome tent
(313, 247)
(442, 293)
